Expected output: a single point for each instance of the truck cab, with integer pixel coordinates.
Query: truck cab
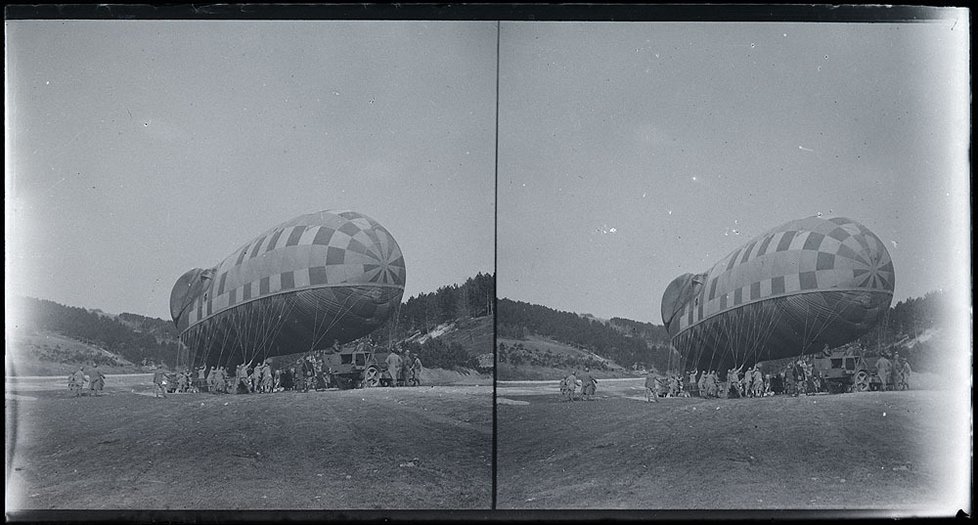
(847, 369)
(362, 365)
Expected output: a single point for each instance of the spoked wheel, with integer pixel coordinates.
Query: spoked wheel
(371, 377)
(861, 382)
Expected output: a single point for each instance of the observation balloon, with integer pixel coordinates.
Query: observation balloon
(803, 285)
(319, 279)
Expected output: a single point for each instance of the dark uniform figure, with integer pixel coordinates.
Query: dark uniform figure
(416, 368)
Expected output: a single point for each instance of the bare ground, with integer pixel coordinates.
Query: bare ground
(894, 450)
(384, 448)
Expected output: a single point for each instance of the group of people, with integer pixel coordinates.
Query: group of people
(571, 385)
(309, 372)
(404, 370)
(188, 380)
(95, 379)
(896, 372)
(217, 379)
(801, 377)
(669, 386)
(707, 384)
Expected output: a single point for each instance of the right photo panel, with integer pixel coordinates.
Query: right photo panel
(733, 266)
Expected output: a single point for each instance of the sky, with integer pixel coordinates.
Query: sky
(137, 150)
(631, 153)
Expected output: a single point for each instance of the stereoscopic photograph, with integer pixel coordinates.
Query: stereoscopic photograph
(427, 262)
(250, 264)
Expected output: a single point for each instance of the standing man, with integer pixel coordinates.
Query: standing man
(241, 378)
(406, 367)
(222, 380)
(159, 379)
(693, 387)
(650, 393)
(757, 381)
(883, 369)
(905, 372)
(393, 366)
(289, 381)
(255, 379)
(733, 376)
(97, 380)
(201, 379)
(570, 383)
(77, 381)
(711, 384)
(589, 386)
(267, 380)
(416, 368)
(798, 374)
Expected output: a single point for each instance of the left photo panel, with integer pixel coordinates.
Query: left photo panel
(250, 265)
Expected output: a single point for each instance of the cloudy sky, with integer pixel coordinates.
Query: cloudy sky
(631, 153)
(137, 150)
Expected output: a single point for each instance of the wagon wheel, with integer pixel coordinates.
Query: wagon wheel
(861, 381)
(371, 377)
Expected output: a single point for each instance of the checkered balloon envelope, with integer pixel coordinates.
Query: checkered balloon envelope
(320, 278)
(793, 290)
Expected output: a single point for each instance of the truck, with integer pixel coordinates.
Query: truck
(848, 369)
(361, 366)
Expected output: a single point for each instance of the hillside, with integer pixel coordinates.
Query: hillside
(53, 339)
(537, 342)
(630, 344)
(539, 358)
(919, 329)
(473, 335)
(426, 312)
(49, 353)
(462, 345)
(450, 328)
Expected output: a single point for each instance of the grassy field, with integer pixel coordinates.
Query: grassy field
(382, 448)
(894, 450)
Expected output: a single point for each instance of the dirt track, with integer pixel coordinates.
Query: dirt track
(404, 448)
(891, 450)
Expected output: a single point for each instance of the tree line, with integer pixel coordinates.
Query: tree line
(625, 342)
(424, 312)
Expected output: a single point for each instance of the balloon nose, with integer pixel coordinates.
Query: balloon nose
(180, 296)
